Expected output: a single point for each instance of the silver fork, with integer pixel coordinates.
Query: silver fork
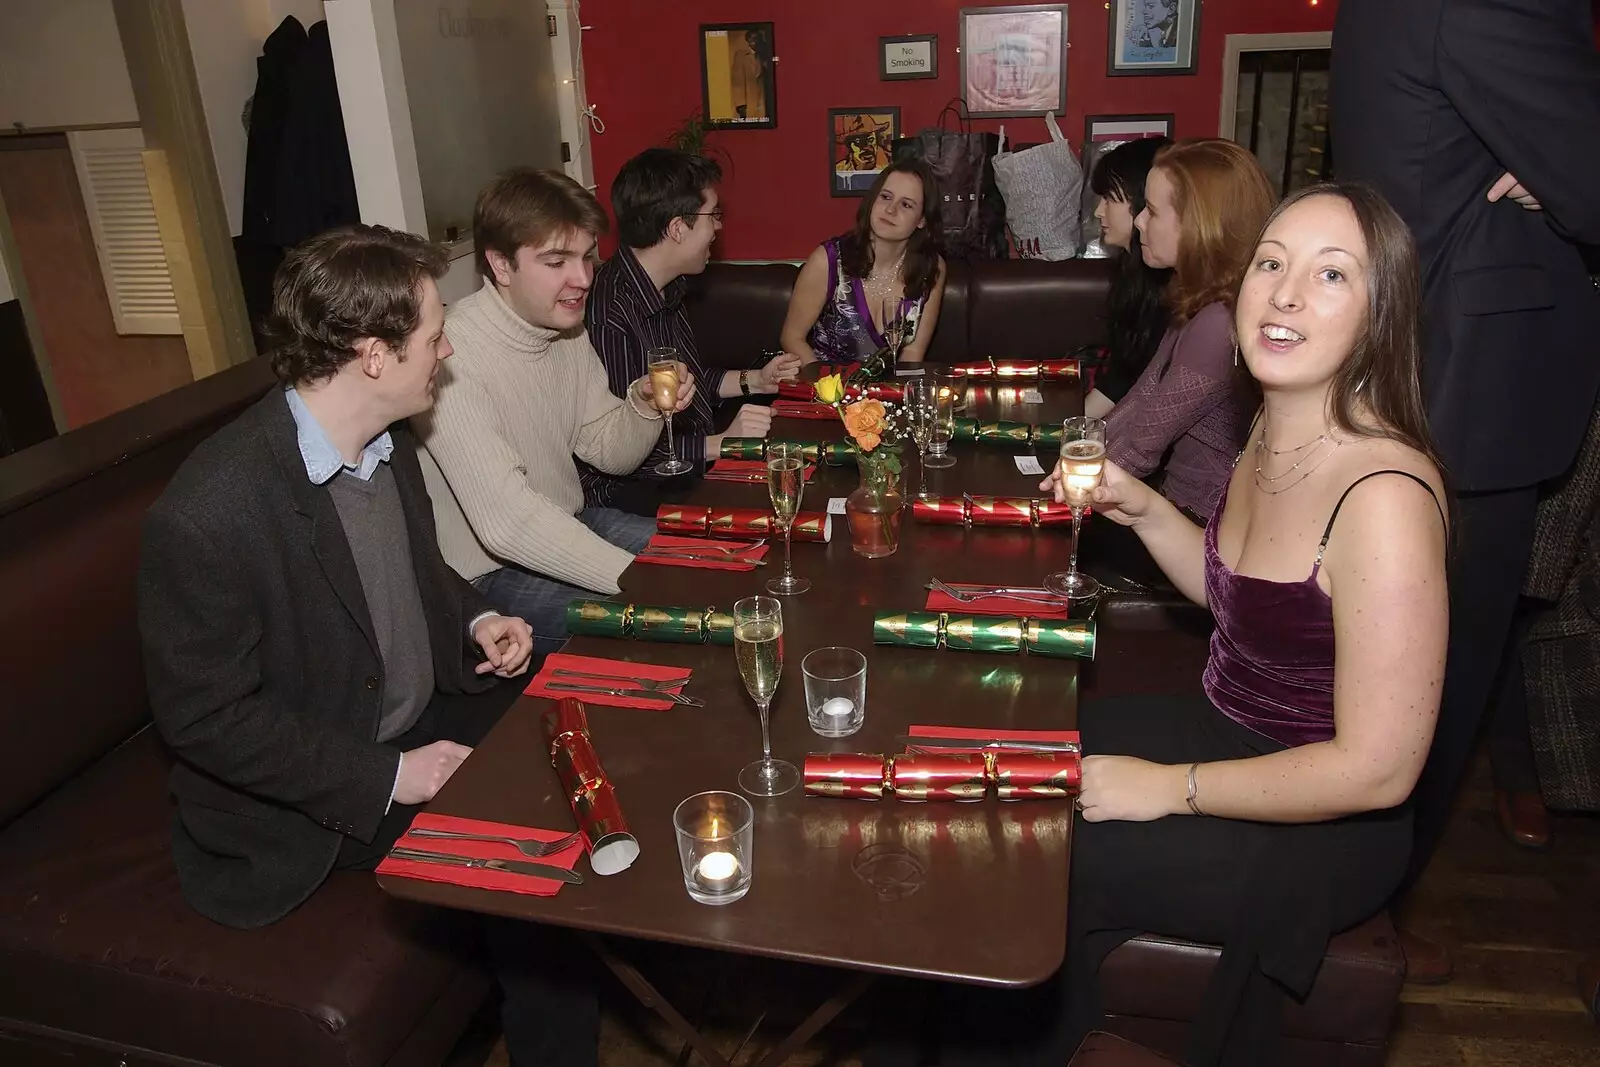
(724, 549)
(534, 850)
(965, 597)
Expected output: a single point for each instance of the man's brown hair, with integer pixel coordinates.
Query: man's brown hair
(342, 286)
(525, 206)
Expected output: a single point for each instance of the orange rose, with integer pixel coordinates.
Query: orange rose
(864, 416)
(867, 441)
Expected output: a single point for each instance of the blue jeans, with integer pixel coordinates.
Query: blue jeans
(542, 601)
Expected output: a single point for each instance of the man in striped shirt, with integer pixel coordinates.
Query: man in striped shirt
(667, 214)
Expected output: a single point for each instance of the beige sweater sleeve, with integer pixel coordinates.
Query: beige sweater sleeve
(612, 435)
(513, 522)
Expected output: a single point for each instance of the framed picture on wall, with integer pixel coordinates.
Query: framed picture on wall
(1014, 60)
(860, 141)
(1125, 127)
(908, 58)
(1153, 37)
(739, 76)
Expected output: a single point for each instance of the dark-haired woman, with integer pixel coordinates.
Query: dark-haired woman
(1136, 313)
(1273, 811)
(886, 272)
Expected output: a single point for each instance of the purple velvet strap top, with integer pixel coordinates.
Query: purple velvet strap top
(1271, 663)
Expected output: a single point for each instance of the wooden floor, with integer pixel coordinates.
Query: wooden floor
(1518, 921)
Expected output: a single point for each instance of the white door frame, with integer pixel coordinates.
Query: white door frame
(1237, 43)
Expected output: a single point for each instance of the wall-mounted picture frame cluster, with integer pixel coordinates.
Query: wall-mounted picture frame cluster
(860, 145)
(909, 57)
(1014, 60)
(1126, 127)
(739, 75)
(1153, 37)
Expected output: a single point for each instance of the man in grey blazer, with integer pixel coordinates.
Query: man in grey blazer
(316, 668)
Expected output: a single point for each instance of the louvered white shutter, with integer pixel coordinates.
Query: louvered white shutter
(122, 218)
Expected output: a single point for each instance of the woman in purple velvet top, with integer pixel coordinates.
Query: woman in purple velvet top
(1273, 812)
(1186, 416)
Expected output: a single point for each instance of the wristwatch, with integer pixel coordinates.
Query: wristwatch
(744, 382)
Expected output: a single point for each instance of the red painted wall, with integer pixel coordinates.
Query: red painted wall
(641, 65)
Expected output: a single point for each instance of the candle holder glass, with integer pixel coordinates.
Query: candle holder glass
(714, 843)
(836, 690)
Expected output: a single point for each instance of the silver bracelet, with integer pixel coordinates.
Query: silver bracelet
(1194, 790)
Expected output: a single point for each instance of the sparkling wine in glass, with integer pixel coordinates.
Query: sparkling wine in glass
(786, 483)
(1083, 461)
(922, 411)
(758, 649)
(663, 368)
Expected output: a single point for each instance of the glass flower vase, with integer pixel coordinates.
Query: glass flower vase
(874, 508)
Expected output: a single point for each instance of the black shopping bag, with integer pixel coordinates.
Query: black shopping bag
(972, 212)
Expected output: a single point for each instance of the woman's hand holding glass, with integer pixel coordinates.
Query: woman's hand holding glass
(1120, 496)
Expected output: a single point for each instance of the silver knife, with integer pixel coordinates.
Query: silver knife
(920, 741)
(701, 557)
(641, 694)
(538, 870)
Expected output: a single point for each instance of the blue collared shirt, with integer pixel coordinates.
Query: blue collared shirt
(321, 456)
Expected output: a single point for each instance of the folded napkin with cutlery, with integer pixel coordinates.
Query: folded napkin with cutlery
(701, 552)
(966, 738)
(1040, 606)
(802, 409)
(565, 675)
(479, 878)
(746, 470)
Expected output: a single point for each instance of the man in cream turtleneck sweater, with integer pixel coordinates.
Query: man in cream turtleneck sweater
(524, 394)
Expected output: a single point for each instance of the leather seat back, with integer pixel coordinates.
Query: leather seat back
(1010, 309)
(70, 513)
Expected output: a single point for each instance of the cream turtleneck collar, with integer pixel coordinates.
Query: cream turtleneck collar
(523, 336)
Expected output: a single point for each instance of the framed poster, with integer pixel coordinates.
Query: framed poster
(860, 141)
(739, 76)
(1125, 127)
(1153, 37)
(1014, 60)
(908, 58)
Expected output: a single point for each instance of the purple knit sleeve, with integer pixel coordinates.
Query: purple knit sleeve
(1172, 396)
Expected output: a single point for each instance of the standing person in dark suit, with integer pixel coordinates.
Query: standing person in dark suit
(1477, 119)
(315, 666)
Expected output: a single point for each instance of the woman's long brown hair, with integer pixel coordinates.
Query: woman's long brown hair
(921, 268)
(1377, 390)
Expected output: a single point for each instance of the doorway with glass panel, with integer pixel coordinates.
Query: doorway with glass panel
(1275, 103)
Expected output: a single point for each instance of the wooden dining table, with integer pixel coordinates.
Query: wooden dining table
(959, 892)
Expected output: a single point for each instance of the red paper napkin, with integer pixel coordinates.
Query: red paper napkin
(611, 668)
(505, 881)
(745, 561)
(925, 737)
(744, 470)
(803, 409)
(996, 605)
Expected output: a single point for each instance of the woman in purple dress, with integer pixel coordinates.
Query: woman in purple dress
(882, 281)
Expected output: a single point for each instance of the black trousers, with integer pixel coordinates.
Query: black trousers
(1257, 889)
(1493, 537)
(549, 1010)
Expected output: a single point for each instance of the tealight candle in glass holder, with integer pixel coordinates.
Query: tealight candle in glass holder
(714, 843)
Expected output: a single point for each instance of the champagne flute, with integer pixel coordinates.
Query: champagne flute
(663, 367)
(1083, 462)
(758, 649)
(922, 410)
(786, 482)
